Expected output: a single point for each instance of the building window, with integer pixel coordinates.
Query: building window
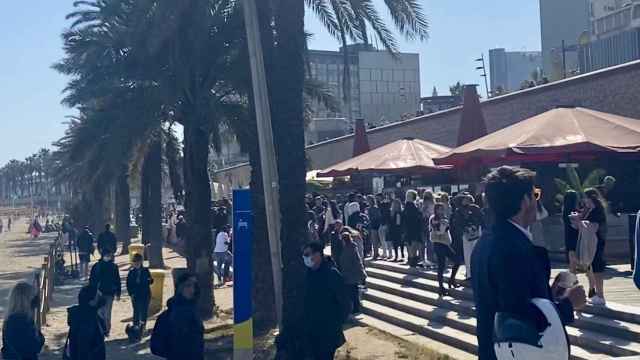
(636, 12)
(365, 74)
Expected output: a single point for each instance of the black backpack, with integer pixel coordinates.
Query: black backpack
(161, 335)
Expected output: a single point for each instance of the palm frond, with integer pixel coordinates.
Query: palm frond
(594, 178)
(409, 18)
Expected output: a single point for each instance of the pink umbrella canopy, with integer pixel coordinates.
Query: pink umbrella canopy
(561, 133)
(406, 156)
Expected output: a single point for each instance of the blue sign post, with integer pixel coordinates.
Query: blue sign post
(242, 271)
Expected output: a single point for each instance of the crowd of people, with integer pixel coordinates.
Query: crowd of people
(496, 234)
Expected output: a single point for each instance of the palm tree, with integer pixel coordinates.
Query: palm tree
(177, 55)
(284, 41)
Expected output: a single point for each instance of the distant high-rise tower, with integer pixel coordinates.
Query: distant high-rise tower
(561, 20)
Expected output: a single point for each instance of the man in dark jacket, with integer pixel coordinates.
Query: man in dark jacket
(139, 281)
(326, 305)
(107, 243)
(412, 227)
(181, 230)
(105, 276)
(86, 327)
(506, 274)
(84, 242)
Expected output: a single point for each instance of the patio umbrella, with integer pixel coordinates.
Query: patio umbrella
(406, 156)
(568, 133)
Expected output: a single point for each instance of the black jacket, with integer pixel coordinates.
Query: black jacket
(181, 229)
(85, 242)
(507, 275)
(21, 340)
(86, 333)
(139, 282)
(107, 243)
(412, 223)
(105, 275)
(385, 213)
(187, 330)
(326, 306)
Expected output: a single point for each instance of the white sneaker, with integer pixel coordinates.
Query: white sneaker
(598, 301)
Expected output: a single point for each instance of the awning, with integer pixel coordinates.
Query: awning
(407, 156)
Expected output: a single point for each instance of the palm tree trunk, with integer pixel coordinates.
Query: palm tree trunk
(123, 210)
(197, 205)
(288, 129)
(152, 210)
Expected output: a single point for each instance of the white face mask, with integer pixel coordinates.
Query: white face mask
(307, 261)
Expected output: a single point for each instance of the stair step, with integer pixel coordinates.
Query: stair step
(597, 342)
(614, 311)
(414, 338)
(618, 329)
(452, 337)
(417, 281)
(435, 332)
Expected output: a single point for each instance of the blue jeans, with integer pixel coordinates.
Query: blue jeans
(221, 268)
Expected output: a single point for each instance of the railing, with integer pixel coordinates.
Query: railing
(44, 282)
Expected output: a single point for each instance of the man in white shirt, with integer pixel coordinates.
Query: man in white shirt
(220, 253)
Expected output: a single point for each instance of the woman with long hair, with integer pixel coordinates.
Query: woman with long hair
(570, 206)
(595, 213)
(441, 238)
(395, 230)
(21, 339)
(427, 209)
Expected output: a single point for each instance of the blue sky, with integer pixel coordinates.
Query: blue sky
(31, 116)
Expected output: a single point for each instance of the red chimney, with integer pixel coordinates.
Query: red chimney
(360, 141)
(472, 124)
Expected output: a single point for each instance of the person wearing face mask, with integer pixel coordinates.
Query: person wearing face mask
(507, 274)
(139, 281)
(326, 305)
(21, 339)
(105, 276)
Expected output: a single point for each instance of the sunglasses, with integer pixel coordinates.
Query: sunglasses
(307, 254)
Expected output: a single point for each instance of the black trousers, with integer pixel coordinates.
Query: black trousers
(444, 252)
(354, 294)
(140, 309)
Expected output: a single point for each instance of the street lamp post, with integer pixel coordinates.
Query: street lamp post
(267, 149)
(484, 73)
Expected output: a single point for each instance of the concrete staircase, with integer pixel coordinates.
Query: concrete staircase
(405, 302)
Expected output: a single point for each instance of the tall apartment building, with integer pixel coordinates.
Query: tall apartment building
(562, 20)
(508, 69)
(384, 88)
(614, 35)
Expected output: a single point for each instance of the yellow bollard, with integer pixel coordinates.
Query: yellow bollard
(135, 249)
(157, 289)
